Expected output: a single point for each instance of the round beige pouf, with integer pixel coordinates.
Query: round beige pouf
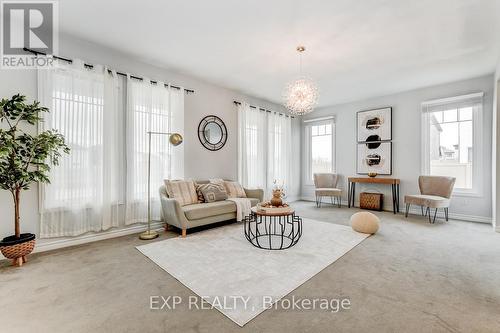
(365, 222)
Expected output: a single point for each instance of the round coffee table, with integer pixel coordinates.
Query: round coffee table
(273, 231)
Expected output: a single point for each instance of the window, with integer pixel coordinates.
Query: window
(452, 144)
(264, 148)
(320, 136)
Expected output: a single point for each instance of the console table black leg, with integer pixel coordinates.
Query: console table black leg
(397, 196)
(393, 198)
(348, 194)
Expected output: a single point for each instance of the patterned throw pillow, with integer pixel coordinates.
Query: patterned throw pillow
(201, 198)
(235, 190)
(213, 192)
(182, 190)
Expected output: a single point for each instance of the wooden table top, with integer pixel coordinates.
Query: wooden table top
(256, 211)
(374, 180)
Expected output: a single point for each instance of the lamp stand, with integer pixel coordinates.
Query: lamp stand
(175, 139)
(149, 234)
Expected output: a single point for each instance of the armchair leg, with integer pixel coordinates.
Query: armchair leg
(434, 219)
(446, 213)
(427, 212)
(422, 209)
(340, 201)
(407, 209)
(184, 232)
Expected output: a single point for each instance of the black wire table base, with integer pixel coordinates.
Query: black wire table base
(273, 232)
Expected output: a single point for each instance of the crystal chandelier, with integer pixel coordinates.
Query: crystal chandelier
(301, 95)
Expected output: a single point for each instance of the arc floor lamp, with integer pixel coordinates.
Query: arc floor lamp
(175, 139)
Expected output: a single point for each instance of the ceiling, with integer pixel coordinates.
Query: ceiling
(355, 49)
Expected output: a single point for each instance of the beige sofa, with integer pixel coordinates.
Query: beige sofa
(195, 215)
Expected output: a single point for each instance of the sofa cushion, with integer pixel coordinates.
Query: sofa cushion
(213, 192)
(207, 209)
(183, 191)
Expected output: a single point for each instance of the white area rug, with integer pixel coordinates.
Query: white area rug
(220, 264)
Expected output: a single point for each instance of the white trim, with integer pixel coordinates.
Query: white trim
(318, 119)
(477, 143)
(307, 147)
(453, 99)
(415, 210)
(43, 245)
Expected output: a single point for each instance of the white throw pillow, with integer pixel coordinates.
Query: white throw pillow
(184, 191)
(235, 190)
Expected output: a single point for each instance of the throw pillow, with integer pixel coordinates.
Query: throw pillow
(182, 190)
(235, 190)
(201, 199)
(213, 192)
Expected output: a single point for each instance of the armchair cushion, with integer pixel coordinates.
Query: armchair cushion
(333, 192)
(432, 201)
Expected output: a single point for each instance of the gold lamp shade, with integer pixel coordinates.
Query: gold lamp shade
(176, 139)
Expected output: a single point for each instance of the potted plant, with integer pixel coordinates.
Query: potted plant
(24, 159)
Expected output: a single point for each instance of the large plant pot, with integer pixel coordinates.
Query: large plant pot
(17, 248)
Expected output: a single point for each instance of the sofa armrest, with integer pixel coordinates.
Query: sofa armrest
(255, 193)
(172, 212)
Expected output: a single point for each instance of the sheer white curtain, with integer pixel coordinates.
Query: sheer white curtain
(84, 192)
(264, 148)
(153, 108)
(252, 132)
(279, 151)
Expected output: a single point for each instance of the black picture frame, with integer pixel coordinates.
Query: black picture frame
(212, 119)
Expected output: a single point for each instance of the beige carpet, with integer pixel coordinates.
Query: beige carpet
(240, 280)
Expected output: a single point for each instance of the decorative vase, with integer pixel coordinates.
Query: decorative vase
(276, 199)
(17, 249)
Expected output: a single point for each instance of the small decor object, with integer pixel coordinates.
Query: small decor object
(301, 95)
(372, 174)
(365, 222)
(212, 133)
(375, 125)
(278, 194)
(24, 159)
(373, 201)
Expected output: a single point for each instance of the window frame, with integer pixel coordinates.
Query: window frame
(457, 102)
(307, 174)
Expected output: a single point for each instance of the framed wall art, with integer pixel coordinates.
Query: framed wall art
(375, 123)
(374, 157)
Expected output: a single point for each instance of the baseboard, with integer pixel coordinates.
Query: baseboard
(440, 214)
(453, 216)
(48, 244)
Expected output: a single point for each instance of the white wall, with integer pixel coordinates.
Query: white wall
(406, 120)
(200, 163)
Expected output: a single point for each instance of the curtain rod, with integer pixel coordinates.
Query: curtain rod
(262, 109)
(36, 53)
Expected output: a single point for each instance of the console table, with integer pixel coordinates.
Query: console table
(394, 182)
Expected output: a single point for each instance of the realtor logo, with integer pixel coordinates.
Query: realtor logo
(32, 25)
